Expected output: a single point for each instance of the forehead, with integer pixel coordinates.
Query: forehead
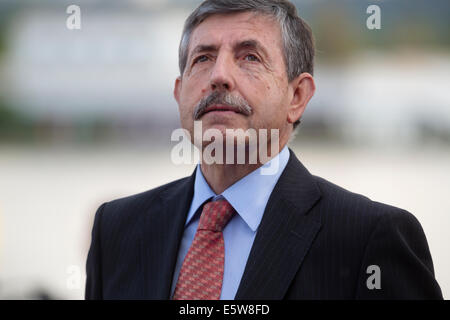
(223, 29)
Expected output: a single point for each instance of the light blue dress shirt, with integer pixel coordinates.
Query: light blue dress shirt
(248, 197)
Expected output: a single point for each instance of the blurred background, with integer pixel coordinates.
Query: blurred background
(86, 116)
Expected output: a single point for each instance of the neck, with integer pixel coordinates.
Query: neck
(222, 176)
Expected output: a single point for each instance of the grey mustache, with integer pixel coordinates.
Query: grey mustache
(223, 98)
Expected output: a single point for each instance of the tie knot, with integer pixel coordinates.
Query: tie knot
(215, 215)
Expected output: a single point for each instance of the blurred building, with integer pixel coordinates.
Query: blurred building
(114, 77)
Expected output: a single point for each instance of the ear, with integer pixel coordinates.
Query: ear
(303, 88)
(177, 89)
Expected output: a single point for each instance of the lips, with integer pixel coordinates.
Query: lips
(221, 108)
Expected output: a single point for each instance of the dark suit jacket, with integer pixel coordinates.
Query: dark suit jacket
(315, 241)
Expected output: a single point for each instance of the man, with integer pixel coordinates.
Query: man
(229, 231)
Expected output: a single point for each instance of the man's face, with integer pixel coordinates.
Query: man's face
(240, 55)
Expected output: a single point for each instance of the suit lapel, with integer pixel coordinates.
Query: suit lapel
(161, 238)
(284, 236)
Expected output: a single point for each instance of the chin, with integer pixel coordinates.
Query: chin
(235, 130)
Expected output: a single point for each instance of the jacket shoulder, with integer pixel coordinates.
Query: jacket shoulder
(131, 208)
(350, 214)
(374, 233)
(341, 200)
(146, 195)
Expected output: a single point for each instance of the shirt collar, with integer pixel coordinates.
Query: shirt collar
(256, 186)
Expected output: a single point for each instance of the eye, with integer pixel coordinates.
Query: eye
(201, 58)
(251, 57)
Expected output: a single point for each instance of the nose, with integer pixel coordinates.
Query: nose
(222, 74)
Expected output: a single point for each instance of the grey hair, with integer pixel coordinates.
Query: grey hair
(298, 42)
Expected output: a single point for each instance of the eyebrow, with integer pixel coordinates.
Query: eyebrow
(250, 43)
(203, 48)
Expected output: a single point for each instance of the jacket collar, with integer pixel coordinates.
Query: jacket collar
(284, 236)
(161, 236)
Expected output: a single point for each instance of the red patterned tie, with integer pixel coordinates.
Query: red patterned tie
(202, 271)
